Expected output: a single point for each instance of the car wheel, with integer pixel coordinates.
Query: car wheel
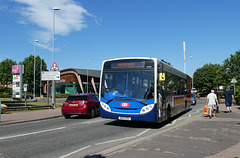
(67, 116)
(92, 113)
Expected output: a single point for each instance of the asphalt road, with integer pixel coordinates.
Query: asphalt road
(78, 137)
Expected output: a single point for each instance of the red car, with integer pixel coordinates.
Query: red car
(81, 104)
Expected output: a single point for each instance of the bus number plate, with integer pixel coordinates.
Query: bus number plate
(124, 118)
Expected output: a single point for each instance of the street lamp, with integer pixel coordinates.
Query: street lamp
(192, 71)
(34, 67)
(41, 79)
(53, 82)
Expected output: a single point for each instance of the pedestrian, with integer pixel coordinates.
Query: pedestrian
(229, 97)
(211, 103)
(218, 98)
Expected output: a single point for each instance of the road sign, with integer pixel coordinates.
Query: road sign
(234, 80)
(25, 87)
(54, 67)
(50, 75)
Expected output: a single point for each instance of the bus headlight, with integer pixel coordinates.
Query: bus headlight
(105, 107)
(146, 109)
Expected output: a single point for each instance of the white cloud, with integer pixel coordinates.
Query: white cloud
(69, 18)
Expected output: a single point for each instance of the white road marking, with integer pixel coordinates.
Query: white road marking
(90, 122)
(26, 134)
(74, 152)
(143, 132)
(111, 141)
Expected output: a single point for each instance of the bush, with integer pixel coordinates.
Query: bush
(62, 95)
(5, 96)
(5, 90)
(237, 96)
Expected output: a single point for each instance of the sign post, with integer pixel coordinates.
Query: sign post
(54, 77)
(17, 73)
(25, 90)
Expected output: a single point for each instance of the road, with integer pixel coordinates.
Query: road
(78, 137)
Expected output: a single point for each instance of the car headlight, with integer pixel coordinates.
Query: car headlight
(105, 106)
(146, 109)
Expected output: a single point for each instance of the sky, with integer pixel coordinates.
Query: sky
(87, 32)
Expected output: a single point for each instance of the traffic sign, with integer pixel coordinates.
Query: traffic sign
(234, 80)
(25, 87)
(54, 67)
(50, 75)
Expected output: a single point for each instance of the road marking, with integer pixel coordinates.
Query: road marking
(74, 152)
(143, 132)
(90, 122)
(111, 141)
(26, 134)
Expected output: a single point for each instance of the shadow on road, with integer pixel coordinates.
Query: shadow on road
(141, 124)
(94, 156)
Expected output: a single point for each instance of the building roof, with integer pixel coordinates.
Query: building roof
(92, 73)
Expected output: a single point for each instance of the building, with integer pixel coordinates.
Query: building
(75, 81)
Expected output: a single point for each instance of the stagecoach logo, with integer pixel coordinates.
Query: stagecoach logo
(125, 104)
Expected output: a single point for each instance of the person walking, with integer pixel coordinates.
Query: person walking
(211, 103)
(229, 97)
(218, 98)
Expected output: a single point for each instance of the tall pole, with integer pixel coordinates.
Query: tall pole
(41, 79)
(192, 71)
(87, 76)
(53, 82)
(184, 53)
(34, 68)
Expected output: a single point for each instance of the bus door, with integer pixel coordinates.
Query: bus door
(161, 98)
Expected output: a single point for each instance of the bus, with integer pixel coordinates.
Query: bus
(142, 89)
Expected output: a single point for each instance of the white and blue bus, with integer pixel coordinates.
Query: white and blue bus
(142, 89)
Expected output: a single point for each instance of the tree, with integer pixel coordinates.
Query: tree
(207, 77)
(232, 67)
(28, 76)
(6, 71)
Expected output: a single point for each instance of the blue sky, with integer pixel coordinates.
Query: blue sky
(96, 30)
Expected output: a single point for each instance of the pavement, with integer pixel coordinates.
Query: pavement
(19, 117)
(218, 137)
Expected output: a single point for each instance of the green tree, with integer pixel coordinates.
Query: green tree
(232, 67)
(6, 71)
(208, 77)
(28, 76)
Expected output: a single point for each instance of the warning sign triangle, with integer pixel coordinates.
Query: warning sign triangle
(54, 67)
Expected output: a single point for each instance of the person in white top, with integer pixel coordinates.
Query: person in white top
(211, 103)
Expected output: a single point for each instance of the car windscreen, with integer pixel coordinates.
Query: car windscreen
(79, 98)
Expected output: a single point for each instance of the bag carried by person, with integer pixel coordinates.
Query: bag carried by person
(205, 109)
(217, 110)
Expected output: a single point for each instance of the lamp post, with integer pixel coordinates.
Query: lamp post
(34, 68)
(41, 79)
(87, 75)
(53, 82)
(192, 71)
